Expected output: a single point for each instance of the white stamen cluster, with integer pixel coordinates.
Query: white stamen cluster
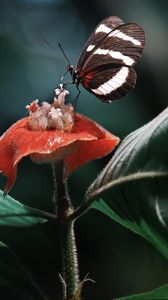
(57, 115)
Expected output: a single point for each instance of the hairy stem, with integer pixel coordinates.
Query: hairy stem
(64, 209)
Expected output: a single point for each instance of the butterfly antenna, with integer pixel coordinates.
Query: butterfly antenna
(49, 44)
(64, 53)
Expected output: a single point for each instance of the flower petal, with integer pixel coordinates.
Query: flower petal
(85, 151)
(86, 142)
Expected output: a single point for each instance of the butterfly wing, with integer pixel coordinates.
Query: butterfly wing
(96, 38)
(110, 84)
(105, 64)
(122, 45)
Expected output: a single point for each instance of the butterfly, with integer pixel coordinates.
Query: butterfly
(105, 65)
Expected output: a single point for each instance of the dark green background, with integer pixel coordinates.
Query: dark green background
(119, 261)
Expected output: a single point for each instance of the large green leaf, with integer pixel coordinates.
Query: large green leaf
(13, 213)
(134, 184)
(157, 294)
(142, 228)
(13, 274)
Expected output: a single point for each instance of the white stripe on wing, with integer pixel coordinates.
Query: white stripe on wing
(117, 55)
(125, 37)
(103, 28)
(114, 83)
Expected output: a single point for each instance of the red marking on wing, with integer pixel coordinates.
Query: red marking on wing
(86, 79)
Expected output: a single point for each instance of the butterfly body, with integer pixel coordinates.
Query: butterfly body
(75, 74)
(105, 65)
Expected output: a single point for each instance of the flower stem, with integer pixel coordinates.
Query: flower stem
(64, 209)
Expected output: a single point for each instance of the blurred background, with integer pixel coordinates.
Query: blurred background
(120, 262)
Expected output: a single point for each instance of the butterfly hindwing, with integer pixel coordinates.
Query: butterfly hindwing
(111, 84)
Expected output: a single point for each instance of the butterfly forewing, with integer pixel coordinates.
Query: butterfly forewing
(122, 45)
(96, 37)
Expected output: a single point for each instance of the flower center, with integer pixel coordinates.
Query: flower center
(57, 115)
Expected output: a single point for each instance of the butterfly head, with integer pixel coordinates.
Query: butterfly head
(74, 73)
(70, 68)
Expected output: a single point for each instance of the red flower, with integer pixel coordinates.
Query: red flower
(76, 143)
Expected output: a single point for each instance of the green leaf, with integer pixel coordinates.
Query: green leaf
(13, 213)
(13, 274)
(157, 294)
(134, 184)
(143, 229)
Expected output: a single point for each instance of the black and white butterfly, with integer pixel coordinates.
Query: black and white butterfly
(105, 65)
